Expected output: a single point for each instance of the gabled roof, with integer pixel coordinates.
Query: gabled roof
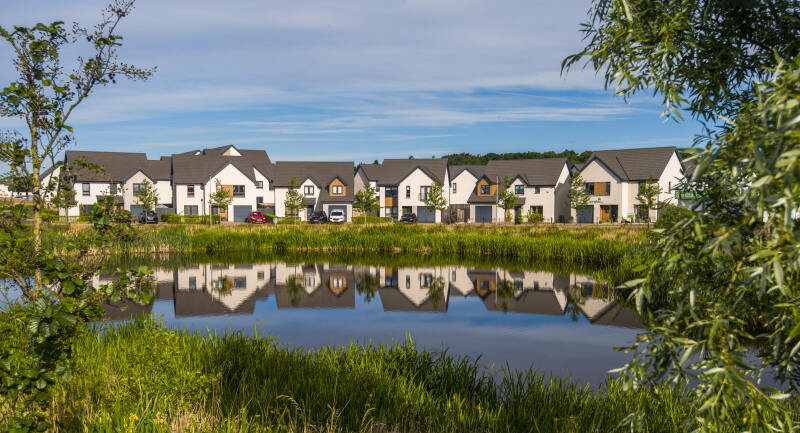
(634, 164)
(393, 171)
(117, 166)
(394, 300)
(198, 166)
(533, 172)
(542, 302)
(321, 173)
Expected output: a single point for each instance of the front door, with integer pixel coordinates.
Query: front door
(608, 213)
(309, 211)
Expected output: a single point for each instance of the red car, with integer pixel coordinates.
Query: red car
(256, 217)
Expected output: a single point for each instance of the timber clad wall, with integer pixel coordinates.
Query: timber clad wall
(492, 188)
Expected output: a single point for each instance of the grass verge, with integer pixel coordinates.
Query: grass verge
(140, 376)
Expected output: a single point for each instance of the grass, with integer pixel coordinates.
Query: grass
(140, 376)
(597, 246)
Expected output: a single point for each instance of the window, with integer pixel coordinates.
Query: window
(259, 184)
(537, 190)
(425, 281)
(408, 282)
(408, 192)
(518, 285)
(423, 192)
(192, 283)
(519, 189)
(137, 187)
(391, 212)
(112, 189)
(259, 201)
(190, 210)
(390, 192)
(260, 275)
(240, 282)
(338, 283)
(454, 188)
(453, 276)
(86, 188)
(407, 210)
(599, 188)
(537, 209)
(485, 190)
(189, 190)
(310, 281)
(535, 285)
(669, 187)
(337, 190)
(484, 285)
(238, 190)
(308, 190)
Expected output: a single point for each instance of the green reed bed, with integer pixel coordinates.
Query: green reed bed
(140, 376)
(601, 246)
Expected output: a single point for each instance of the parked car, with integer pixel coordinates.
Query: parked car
(256, 217)
(408, 218)
(318, 217)
(337, 216)
(148, 218)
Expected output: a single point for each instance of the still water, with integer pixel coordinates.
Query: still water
(563, 324)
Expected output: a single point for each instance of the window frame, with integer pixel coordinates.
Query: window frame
(519, 189)
(488, 189)
(408, 191)
(537, 189)
(259, 184)
(86, 189)
(136, 188)
(112, 189)
(190, 191)
(308, 190)
(191, 209)
(454, 187)
(238, 194)
(337, 190)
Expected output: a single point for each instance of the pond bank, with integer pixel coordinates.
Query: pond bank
(597, 246)
(236, 382)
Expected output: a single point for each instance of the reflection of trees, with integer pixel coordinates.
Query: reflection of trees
(505, 291)
(224, 285)
(576, 298)
(436, 291)
(367, 285)
(294, 285)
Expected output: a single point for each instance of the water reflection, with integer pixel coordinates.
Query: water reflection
(213, 289)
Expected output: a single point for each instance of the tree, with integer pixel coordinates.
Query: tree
(147, 196)
(648, 196)
(367, 200)
(63, 196)
(221, 198)
(725, 277)
(44, 96)
(54, 306)
(435, 200)
(506, 199)
(577, 196)
(294, 200)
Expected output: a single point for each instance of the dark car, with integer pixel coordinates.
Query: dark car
(256, 217)
(148, 218)
(408, 218)
(318, 217)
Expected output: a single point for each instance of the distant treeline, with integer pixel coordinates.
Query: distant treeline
(470, 159)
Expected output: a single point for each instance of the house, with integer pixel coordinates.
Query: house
(246, 174)
(325, 186)
(403, 185)
(540, 185)
(613, 178)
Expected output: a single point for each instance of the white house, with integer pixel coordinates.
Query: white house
(613, 178)
(325, 186)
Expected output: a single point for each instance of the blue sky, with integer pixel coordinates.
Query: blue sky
(351, 80)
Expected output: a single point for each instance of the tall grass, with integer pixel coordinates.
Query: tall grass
(141, 376)
(591, 246)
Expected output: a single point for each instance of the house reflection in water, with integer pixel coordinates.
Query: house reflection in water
(213, 289)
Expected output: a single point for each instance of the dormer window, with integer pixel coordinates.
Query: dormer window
(485, 190)
(337, 190)
(309, 190)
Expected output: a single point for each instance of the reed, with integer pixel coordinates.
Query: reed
(598, 246)
(141, 376)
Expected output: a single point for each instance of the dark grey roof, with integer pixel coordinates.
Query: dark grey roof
(530, 302)
(190, 167)
(487, 199)
(392, 171)
(455, 170)
(321, 173)
(618, 315)
(117, 166)
(634, 164)
(393, 300)
(160, 169)
(323, 296)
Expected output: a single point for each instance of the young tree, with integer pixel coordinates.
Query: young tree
(147, 196)
(506, 199)
(648, 196)
(577, 196)
(44, 96)
(294, 200)
(435, 199)
(367, 200)
(725, 276)
(221, 198)
(63, 196)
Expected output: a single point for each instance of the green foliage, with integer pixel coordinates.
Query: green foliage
(294, 201)
(259, 384)
(367, 199)
(577, 196)
(373, 220)
(470, 159)
(435, 199)
(506, 199)
(535, 217)
(147, 197)
(648, 196)
(171, 218)
(221, 198)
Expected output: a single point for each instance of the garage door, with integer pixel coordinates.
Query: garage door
(341, 208)
(240, 213)
(586, 215)
(136, 211)
(426, 214)
(483, 214)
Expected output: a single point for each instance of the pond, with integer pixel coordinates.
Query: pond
(566, 324)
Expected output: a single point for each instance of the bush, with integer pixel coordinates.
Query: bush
(372, 220)
(289, 220)
(535, 217)
(171, 218)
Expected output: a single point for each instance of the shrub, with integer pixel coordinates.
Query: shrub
(372, 220)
